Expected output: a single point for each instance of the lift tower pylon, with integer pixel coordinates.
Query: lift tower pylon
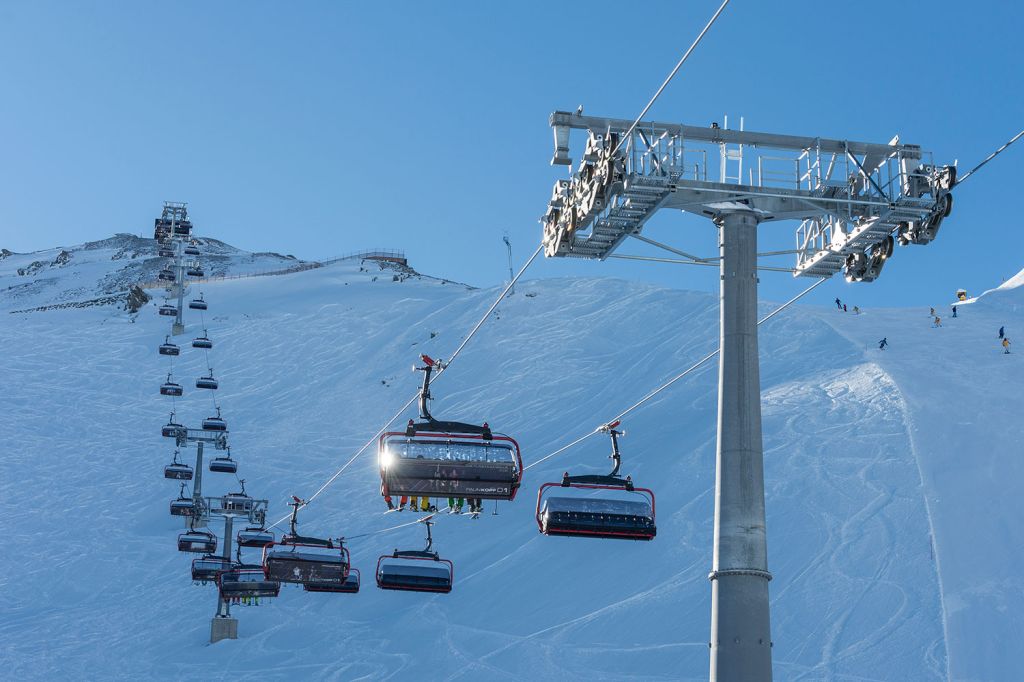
(854, 201)
(740, 623)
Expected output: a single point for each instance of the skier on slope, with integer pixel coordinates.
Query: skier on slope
(937, 322)
(1006, 345)
(931, 312)
(856, 310)
(883, 343)
(844, 307)
(1001, 332)
(839, 304)
(954, 311)
(455, 505)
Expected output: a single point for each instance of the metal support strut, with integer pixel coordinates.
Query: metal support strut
(740, 624)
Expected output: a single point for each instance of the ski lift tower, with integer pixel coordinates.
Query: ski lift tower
(230, 507)
(853, 201)
(174, 219)
(219, 440)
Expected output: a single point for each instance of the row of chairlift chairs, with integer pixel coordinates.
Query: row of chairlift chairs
(433, 458)
(236, 581)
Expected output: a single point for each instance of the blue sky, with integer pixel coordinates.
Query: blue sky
(320, 128)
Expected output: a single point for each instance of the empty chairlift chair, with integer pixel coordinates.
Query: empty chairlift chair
(255, 536)
(216, 423)
(206, 568)
(207, 382)
(195, 271)
(166, 253)
(202, 341)
(197, 542)
(597, 506)
(416, 570)
(168, 311)
(244, 584)
(191, 250)
(166, 275)
(168, 348)
(197, 303)
(448, 459)
(306, 560)
(223, 465)
(170, 388)
(183, 228)
(178, 471)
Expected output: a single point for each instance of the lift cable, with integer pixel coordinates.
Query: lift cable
(674, 379)
(401, 525)
(989, 158)
(672, 75)
(413, 399)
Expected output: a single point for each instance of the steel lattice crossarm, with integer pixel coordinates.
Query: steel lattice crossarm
(851, 197)
(237, 505)
(184, 436)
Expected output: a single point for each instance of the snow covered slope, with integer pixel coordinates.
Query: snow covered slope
(96, 273)
(891, 485)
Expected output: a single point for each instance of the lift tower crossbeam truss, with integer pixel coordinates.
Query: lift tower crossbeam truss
(850, 198)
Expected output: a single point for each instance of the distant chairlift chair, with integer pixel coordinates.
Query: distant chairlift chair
(178, 471)
(169, 348)
(202, 341)
(216, 423)
(207, 382)
(170, 388)
(183, 506)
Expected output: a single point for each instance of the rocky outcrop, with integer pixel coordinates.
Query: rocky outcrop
(136, 299)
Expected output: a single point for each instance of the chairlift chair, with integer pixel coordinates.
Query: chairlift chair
(168, 348)
(206, 568)
(448, 459)
(349, 586)
(197, 303)
(416, 570)
(166, 275)
(168, 311)
(197, 541)
(301, 560)
(600, 516)
(191, 250)
(207, 382)
(166, 253)
(223, 465)
(247, 583)
(178, 471)
(255, 536)
(195, 271)
(172, 428)
(239, 502)
(183, 228)
(170, 388)
(202, 341)
(183, 506)
(215, 423)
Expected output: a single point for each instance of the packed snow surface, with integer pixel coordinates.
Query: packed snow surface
(894, 481)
